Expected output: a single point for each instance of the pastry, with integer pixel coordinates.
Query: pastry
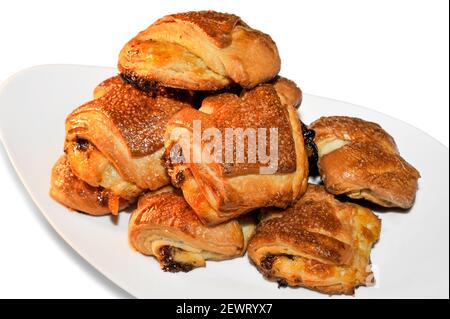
(220, 188)
(360, 160)
(202, 50)
(164, 226)
(72, 192)
(288, 91)
(318, 243)
(116, 140)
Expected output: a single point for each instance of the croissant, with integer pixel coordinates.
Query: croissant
(219, 188)
(74, 193)
(163, 225)
(203, 50)
(360, 160)
(318, 243)
(116, 140)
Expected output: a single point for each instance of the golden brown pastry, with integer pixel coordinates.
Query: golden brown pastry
(219, 189)
(110, 84)
(360, 159)
(165, 226)
(72, 192)
(319, 243)
(202, 50)
(116, 140)
(288, 91)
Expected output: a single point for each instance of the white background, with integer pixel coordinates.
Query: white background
(391, 56)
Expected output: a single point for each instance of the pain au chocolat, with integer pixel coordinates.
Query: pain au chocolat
(218, 189)
(361, 160)
(116, 140)
(318, 243)
(165, 226)
(202, 50)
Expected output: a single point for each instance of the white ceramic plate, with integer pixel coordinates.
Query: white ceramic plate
(410, 260)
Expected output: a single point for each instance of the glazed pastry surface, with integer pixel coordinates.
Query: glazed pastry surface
(319, 243)
(219, 189)
(203, 50)
(360, 160)
(165, 226)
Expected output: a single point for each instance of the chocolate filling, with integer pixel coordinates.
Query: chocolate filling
(267, 262)
(139, 83)
(82, 144)
(266, 265)
(167, 262)
(171, 156)
(179, 178)
(311, 149)
(153, 88)
(282, 283)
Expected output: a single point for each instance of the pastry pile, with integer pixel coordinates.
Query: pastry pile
(149, 139)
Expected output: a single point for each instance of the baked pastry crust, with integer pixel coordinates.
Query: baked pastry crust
(74, 193)
(318, 243)
(116, 140)
(219, 190)
(163, 225)
(288, 91)
(360, 159)
(202, 50)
